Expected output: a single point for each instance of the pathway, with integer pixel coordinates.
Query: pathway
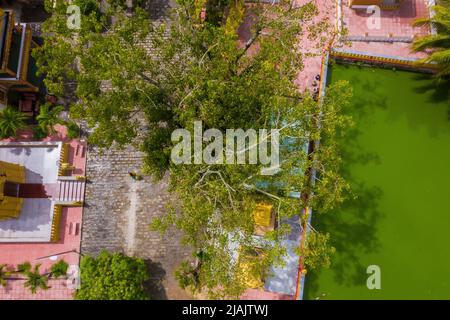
(118, 213)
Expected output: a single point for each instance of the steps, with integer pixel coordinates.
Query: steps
(71, 190)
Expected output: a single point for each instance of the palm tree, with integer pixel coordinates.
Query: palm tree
(4, 275)
(48, 118)
(34, 279)
(59, 269)
(438, 43)
(11, 120)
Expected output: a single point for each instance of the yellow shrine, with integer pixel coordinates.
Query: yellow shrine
(264, 218)
(248, 265)
(10, 207)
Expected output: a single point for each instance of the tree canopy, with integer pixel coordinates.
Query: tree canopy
(137, 80)
(112, 276)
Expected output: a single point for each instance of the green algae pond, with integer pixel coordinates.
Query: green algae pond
(397, 160)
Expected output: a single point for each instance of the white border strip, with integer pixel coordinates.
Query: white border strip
(4, 144)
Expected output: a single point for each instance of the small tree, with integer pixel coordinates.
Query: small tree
(73, 130)
(48, 118)
(59, 269)
(187, 277)
(112, 276)
(11, 120)
(34, 279)
(438, 43)
(4, 275)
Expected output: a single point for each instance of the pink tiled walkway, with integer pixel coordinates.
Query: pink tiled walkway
(15, 290)
(398, 49)
(395, 22)
(254, 294)
(313, 49)
(398, 23)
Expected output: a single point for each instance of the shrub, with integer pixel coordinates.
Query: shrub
(112, 276)
(11, 120)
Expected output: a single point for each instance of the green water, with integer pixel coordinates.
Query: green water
(397, 159)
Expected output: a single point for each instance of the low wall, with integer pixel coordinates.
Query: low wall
(383, 60)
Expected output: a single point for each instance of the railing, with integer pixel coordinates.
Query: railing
(54, 233)
(390, 60)
(64, 159)
(379, 39)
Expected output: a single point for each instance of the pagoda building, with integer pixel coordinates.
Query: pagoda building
(37, 181)
(11, 176)
(18, 79)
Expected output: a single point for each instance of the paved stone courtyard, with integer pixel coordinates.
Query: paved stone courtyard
(118, 212)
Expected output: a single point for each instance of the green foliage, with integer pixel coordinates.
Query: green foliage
(329, 189)
(11, 120)
(198, 72)
(48, 118)
(235, 16)
(38, 133)
(215, 11)
(88, 7)
(112, 276)
(4, 275)
(34, 279)
(317, 252)
(187, 277)
(73, 130)
(439, 43)
(59, 269)
(24, 267)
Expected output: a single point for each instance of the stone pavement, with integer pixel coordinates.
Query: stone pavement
(118, 212)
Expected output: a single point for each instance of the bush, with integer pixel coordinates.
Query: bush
(39, 133)
(34, 279)
(11, 120)
(59, 269)
(88, 6)
(112, 276)
(187, 277)
(73, 130)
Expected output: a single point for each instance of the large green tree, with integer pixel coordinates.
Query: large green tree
(112, 276)
(137, 81)
(34, 280)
